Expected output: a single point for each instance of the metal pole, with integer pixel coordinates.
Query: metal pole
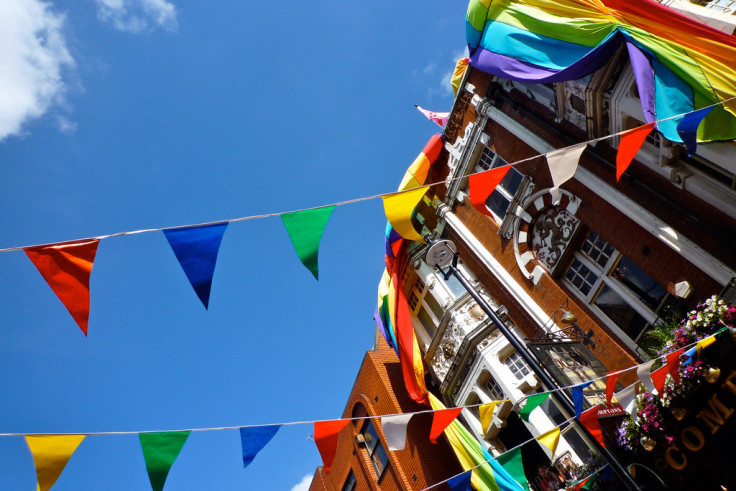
(536, 366)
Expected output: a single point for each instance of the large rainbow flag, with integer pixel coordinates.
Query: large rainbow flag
(679, 63)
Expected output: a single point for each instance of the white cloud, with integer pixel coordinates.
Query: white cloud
(303, 485)
(138, 15)
(429, 68)
(32, 59)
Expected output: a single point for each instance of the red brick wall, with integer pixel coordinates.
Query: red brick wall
(380, 388)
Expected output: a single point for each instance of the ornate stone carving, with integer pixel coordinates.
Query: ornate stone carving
(552, 230)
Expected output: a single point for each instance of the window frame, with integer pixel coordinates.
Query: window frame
(493, 162)
(516, 365)
(373, 450)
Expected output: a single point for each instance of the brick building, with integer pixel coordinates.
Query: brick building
(362, 460)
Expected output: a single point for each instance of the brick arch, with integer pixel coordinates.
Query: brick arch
(525, 214)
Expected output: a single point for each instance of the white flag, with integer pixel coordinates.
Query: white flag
(394, 427)
(627, 399)
(562, 166)
(644, 372)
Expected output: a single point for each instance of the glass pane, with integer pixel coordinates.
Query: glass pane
(426, 321)
(497, 203)
(620, 312)
(380, 460)
(433, 305)
(493, 389)
(581, 276)
(597, 249)
(371, 437)
(649, 291)
(350, 482)
(511, 181)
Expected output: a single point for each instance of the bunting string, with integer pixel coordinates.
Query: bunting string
(345, 202)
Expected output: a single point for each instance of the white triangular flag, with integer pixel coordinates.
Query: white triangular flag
(644, 372)
(562, 166)
(627, 399)
(394, 428)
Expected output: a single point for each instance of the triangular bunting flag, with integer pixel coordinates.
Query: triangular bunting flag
(689, 355)
(577, 397)
(66, 268)
(631, 142)
(440, 420)
(562, 166)
(439, 118)
(160, 450)
(394, 429)
(305, 230)
(550, 440)
(644, 372)
(482, 185)
(253, 439)
(704, 343)
(461, 482)
(532, 402)
(399, 210)
(673, 362)
(579, 485)
(589, 419)
(627, 399)
(514, 465)
(659, 376)
(50, 455)
(196, 249)
(611, 380)
(486, 414)
(687, 128)
(325, 436)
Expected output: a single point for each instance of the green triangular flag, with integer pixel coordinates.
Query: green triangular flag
(160, 450)
(532, 402)
(305, 230)
(513, 464)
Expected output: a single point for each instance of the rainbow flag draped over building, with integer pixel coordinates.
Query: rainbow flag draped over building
(393, 314)
(679, 63)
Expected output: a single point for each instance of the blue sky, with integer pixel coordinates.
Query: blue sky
(118, 115)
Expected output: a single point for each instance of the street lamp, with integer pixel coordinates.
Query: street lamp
(442, 254)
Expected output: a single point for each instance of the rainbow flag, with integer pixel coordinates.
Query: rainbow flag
(680, 64)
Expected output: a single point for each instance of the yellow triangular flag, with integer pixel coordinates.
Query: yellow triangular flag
(704, 343)
(399, 209)
(486, 415)
(550, 440)
(50, 455)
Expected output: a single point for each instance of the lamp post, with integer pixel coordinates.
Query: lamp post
(443, 254)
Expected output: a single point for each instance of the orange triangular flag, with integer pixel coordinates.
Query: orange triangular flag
(50, 455)
(482, 185)
(66, 268)
(658, 378)
(325, 436)
(611, 379)
(631, 142)
(441, 420)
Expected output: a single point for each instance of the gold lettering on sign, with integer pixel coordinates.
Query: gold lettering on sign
(729, 382)
(716, 415)
(671, 459)
(688, 442)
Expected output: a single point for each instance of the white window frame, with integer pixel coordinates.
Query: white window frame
(485, 163)
(605, 279)
(516, 365)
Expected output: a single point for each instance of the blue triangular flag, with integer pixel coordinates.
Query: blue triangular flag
(687, 128)
(461, 482)
(254, 439)
(689, 355)
(577, 397)
(196, 249)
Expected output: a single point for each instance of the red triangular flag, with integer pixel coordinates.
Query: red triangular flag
(325, 436)
(673, 362)
(658, 377)
(483, 184)
(631, 142)
(589, 419)
(440, 420)
(611, 380)
(66, 268)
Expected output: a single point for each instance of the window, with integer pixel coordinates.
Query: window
(516, 365)
(490, 386)
(350, 483)
(375, 448)
(615, 286)
(499, 200)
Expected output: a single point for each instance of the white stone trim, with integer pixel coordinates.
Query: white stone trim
(642, 217)
(494, 267)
